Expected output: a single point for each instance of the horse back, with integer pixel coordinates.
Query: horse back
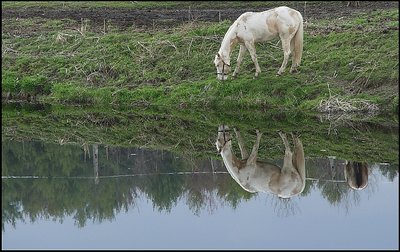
(259, 26)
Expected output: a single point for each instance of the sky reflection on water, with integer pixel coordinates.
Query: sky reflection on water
(373, 224)
(366, 219)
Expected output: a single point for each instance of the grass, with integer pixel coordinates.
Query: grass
(158, 88)
(174, 67)
(193, 133)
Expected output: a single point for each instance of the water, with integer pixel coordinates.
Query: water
(67, 197)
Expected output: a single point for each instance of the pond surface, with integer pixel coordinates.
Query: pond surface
(70, 196)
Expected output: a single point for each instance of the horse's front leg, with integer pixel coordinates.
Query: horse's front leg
(242, 51)
(252, 50)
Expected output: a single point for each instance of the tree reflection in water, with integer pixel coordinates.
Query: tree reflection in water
(52, 182)
(284, 207)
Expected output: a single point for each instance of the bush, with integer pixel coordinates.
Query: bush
(10, 82)
(33, 84)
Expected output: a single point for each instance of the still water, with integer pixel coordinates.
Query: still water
(99, 197)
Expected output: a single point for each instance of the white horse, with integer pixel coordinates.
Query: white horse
(259, 176)
(254, 27)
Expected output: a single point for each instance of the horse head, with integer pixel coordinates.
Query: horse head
(223, 67)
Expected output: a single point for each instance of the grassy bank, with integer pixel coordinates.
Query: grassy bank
(193, 133)
(68, 62)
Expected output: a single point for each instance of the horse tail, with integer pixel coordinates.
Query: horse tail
(298, 43)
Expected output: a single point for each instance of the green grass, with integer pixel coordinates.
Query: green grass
(193, 133)
(59, 63)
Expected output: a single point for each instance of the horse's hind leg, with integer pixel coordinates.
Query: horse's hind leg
(284, 140)
(252, 50)
(242, 147)
(298, 157)
(293, 68)
(242, 52)
(287, 161)
(286, 53)
(254, 152)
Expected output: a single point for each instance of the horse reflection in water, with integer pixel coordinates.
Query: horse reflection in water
(356, 174)
(260, 176)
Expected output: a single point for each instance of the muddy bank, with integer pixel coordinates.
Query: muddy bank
(128, 17)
